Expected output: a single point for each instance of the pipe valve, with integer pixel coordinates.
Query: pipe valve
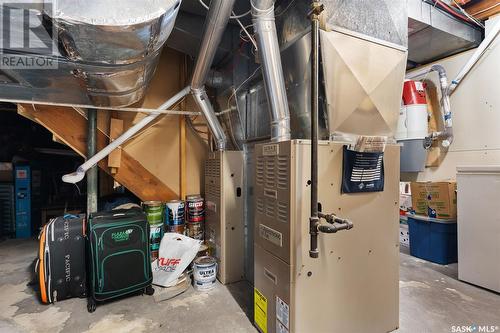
(335, 224)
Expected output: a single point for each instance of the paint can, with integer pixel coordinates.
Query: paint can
(174, 212)
(155, 236)
(179, 228)
(154, 211)
(195, 230)
(195, 209)
(204, 273)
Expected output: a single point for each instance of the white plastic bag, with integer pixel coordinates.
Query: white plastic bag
(176, 253)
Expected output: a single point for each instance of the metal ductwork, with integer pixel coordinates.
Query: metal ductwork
(272, 71)
(215, 24)
(433, 34)
(102, 53)
(112, 31)
(363, 83)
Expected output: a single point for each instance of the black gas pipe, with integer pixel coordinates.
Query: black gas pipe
(335, 223)
(316, 10)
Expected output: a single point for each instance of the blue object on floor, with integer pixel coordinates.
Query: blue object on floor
(22, 175)
(433, 239)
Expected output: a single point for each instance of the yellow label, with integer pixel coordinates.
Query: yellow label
(260, 310)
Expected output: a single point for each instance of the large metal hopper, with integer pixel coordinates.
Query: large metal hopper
(363, 83)
(106, 54)
(113, 31)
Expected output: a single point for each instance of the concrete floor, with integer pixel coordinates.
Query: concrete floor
(432, 300)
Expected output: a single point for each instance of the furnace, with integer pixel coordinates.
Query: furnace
(353, 285)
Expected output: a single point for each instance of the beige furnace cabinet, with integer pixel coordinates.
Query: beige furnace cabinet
(354, 284)
(224, 227)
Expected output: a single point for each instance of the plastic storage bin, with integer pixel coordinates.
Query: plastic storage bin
(433, 239)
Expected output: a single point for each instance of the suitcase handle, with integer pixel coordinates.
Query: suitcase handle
(117, 213)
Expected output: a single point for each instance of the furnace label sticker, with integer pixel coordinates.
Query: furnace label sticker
(260, 310)
(282, 313)
(270, 150)
(271, 235)
(280, 328)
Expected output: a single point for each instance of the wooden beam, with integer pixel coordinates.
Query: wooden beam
(184, 77)
(460, 2)
(182, 157)
(70, 126)
(483, 9)
(114, 159)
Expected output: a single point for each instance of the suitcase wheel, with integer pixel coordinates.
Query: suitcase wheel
(91, 305)
(149, 290)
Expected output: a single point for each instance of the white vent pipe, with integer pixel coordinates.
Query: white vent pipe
(481, 49)
(79, 174)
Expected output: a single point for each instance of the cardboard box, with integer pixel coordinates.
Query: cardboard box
(435, 199)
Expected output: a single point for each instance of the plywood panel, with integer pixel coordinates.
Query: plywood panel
(484, 9)
(158, 146)
(150, 163)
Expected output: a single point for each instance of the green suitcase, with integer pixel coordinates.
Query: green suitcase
(119, 252)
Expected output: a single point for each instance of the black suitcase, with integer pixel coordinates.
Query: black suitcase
(119, 252)
(61, 266)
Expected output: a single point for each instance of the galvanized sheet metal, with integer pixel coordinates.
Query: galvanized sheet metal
(363, 83)
(103, 56)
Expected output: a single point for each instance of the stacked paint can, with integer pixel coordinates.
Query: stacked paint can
(195, 216)
(174, 216)
(154, 214)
